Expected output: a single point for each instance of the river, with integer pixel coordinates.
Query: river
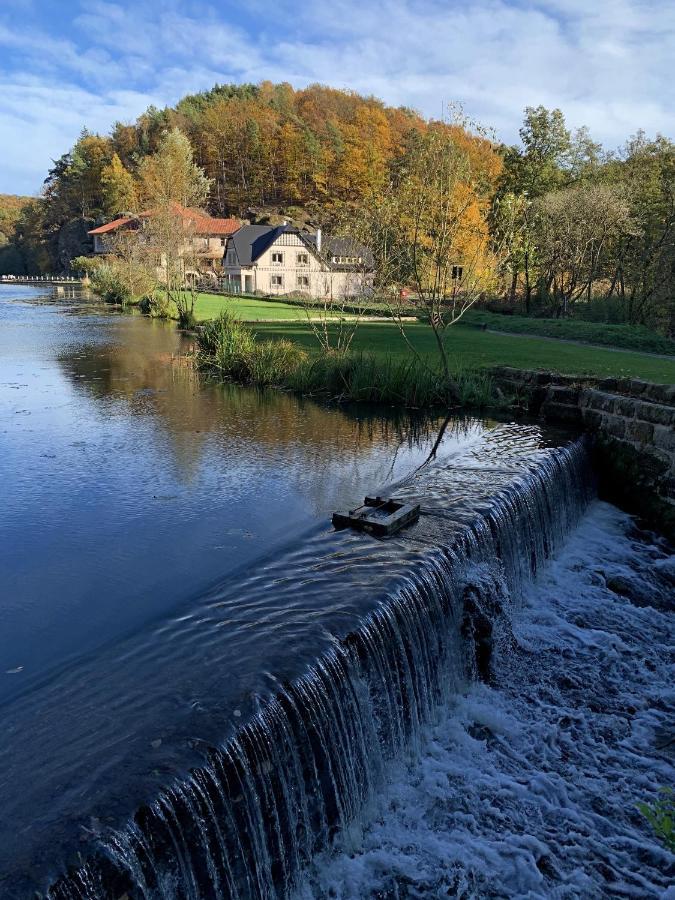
(204, 688)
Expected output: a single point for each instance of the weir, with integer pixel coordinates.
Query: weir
(298, 776)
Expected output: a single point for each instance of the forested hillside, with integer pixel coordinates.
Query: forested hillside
(10, 210)
(262, 145)
(570, 222)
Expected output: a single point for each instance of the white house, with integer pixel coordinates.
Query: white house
(283, 260)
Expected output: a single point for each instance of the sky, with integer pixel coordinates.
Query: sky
(67, 64)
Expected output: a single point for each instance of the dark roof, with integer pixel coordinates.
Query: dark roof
(251, 241)
(342, 246)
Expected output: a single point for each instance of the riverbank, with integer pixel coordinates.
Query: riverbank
(594, 334)
(382, 367)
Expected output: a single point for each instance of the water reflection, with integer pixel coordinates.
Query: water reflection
(131, 483)
(151, 372)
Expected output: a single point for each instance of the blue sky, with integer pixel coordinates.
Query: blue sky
(65, 64)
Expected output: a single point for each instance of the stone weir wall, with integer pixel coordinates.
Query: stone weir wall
(633, 427)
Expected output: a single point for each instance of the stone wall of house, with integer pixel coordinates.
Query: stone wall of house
(633, 427)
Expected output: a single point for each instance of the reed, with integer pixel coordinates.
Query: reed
(229, 349)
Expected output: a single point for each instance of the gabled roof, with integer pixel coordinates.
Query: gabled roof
(112, 226)
(251, 241)
(203, 224)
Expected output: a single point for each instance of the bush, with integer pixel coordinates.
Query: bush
(228, 348)
(107, 283)
(661, 816)
(225, 345)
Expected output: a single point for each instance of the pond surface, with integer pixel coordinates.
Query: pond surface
(159, 541)
(129, 483)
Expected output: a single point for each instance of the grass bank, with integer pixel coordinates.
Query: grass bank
(627, 337)
(228, 349)
(473, 350)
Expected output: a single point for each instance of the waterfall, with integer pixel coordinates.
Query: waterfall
(299, 775)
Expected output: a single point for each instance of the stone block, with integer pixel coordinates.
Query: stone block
(656, 413)
(563, 394)
(664, 438)
(600, 400)
(592, 418)
(626, 406)
(614, 425)
(662, 393)
(640, 432)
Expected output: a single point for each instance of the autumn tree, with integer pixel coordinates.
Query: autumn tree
(171, 184)
(118, 188)
(429, 231)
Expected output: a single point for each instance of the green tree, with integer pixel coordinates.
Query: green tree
(644, 270)
(171, 174)
(118, 188)
(171, 185)
(541, 164)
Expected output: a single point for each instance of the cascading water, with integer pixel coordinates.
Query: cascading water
(299, 776)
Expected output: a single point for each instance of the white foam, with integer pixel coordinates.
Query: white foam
(529, 788)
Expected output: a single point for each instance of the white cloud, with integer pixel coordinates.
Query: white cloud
(607, 65)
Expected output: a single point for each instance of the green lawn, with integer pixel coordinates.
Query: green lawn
(629, 337)
(209, 306)
(474, 349)
(470, 348)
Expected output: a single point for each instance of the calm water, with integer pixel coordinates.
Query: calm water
(167, 557)
(129, 484)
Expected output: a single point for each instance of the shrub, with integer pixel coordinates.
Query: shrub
(228, 348)
(661, 816)
(107, 283)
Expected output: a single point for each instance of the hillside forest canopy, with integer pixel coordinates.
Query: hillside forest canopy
(556, 225)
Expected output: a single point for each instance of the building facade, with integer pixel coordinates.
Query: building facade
(283, 260)
(206, 237)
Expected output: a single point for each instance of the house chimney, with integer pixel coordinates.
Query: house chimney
(318, 240)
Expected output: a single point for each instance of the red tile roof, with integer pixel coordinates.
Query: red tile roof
(203, 223)
(111, 226)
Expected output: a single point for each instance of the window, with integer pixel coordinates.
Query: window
(457, 272)
(277, 257)
(222, 242)
(303, 259)
(303, 281)
(277, 280)
(347, 260)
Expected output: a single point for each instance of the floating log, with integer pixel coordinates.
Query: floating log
(378, 515)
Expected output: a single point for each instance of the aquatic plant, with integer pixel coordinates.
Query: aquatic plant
(228, 348)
